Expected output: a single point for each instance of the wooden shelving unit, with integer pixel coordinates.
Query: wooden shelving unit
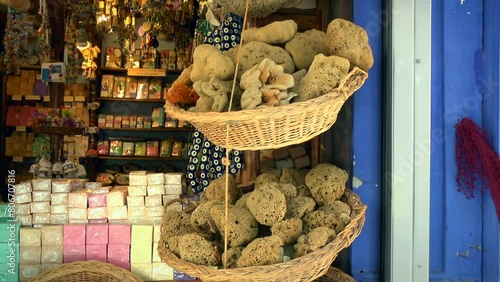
(139, 158)
(132, 100)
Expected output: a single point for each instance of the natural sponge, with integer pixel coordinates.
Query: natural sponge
(242, 226)
(256, 8)
(242, 201)
(264, 178)
(289, 229)
(268, 205)
(324, 75)
(216, 190)
(262, 251)
(314, 240)
(298, 206)
(196, 249)
(305, 45)
(278, 32)
(208, 61)
(348, 40)
(321, 218)
(297, 178)
(254, 52)
(182, 91)
(202, 221)
(326, 182)
(230, 258)
(176, 223)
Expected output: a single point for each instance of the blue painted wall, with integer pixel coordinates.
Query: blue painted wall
(465, 80)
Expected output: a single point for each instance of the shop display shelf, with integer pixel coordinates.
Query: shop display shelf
(132, 100)
(163, 129)
(141, 158)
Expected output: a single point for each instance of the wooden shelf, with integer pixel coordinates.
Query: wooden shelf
(125, 71)
(132, 100)
(35, 98)
(149, 129)
(140, 158)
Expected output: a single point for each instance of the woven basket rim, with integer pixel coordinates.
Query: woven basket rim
(342, 241)
(92, 266)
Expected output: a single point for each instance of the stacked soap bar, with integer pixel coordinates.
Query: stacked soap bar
(41, 249)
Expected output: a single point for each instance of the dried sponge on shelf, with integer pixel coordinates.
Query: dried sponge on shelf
(196, 249)
(326, 182)
(242, 226)
(268, 205)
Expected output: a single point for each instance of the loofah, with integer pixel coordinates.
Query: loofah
(196, 249)
(305, 45)
(322, 218)
(326, 182)
(262, 251)
(216, 190)
(324, 75)
(314, 240)
(289, 229)
(348, 40)
(268, 205)
(242, 226)
(298, 206)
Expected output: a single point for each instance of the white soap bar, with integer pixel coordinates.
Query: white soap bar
(174, 177)
(154, 211)
(61, 186)
(23, 198)
(23, 209)
(168, 198)
(156, 178)
(173, 189)
(29, 271)
(156, 255)
(143, 270)
(118, 221)
(41, 218)
(137, 220)
(137, 190)
(152, 201)
(154, 190)
(30, 255)
(117, 213)
(40, 196)
(156, 233)
(23, 188)
(30, 237)
(78, 199)
(117, 197)
(97, 213)
(162, 271)
(25, 220)
(135, 201)
(40, 207)
(58, 209)
(137, 179)
(77, 213)
(59, 198)
(52, 235)
(59, 218)
(136, 211)
(41, 184)
(52, 254)
(153, 220)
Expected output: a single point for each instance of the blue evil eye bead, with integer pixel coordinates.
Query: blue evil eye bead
(227, 46)
(217, 40)
(233, 171)
(190, 175)
(219, 175)
(226, 30)
(206, 144)
(217, 46)
(203, 175)
(212, 169)
(193, 154)
(236, 153)
(237, 159)
(204, 151)
(204, 158)
(233, 37)
(202, 166)
(216, 32)
(196, 134)
(218, 168)
(196, 147)
(216, 155)
(192, 167)
(217, 148)
(216, 162)
(239, 165)
(192, 183)
(225, 38)
(205, 183)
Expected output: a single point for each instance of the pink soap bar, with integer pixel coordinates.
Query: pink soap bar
(97, 234)
(74, 234)
(73, 253)
(96, 252)
(118, 253)
(119, 234)
(97, 200)
(125, 265)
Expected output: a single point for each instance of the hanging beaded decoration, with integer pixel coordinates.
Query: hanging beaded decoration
(205, 158)
(15, 41)
(44, 34)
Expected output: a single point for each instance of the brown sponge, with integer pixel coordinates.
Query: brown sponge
(326, 182)
(262, 251)
(233, 254)
(196, 249)
(297, 178)
(176, 223)
(242, 226)
(242, 201)
(267, 205)
(202, 221)
(264, 178)
(289, 229)
(299, 206)
(314, 240)
(216, 190)
(321, 218)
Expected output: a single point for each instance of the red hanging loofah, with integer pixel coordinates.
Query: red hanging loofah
(476, 160)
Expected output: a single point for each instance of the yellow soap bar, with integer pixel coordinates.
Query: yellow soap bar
(156, 255)
(116, 197)
(59, 198)
(25, 220)
(156, 178)
(40, 207)
(52, 254)
(140, 254)
(77, 213)
(97, 213)
(29, 237)
(41, 218)
(156, 233)
(48, 266)
(156, 190)
(30, 255)
(59, 218)
(142, 235)
(135, 201)
(173, 189)
(23, 209)
(174, 178)
(28, 272)
(78, 199)
(152, 201)
(143, 270)
(58, 209)
(117, 213)
(154, 211)
(137, 190)
(136, 211)
(40, 196)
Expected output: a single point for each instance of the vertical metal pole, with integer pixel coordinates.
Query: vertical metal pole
(408, 129)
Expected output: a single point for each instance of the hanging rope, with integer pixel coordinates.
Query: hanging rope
(226, 160)
(476, 160)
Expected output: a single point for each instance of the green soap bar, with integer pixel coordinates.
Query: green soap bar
(9, 231)
(9, 253)
(9, 272)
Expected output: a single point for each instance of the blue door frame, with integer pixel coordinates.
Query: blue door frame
(465, 83)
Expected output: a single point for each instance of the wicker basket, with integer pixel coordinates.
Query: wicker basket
(87, 271)
(304, 268)
(273, 127)
(335, 275)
